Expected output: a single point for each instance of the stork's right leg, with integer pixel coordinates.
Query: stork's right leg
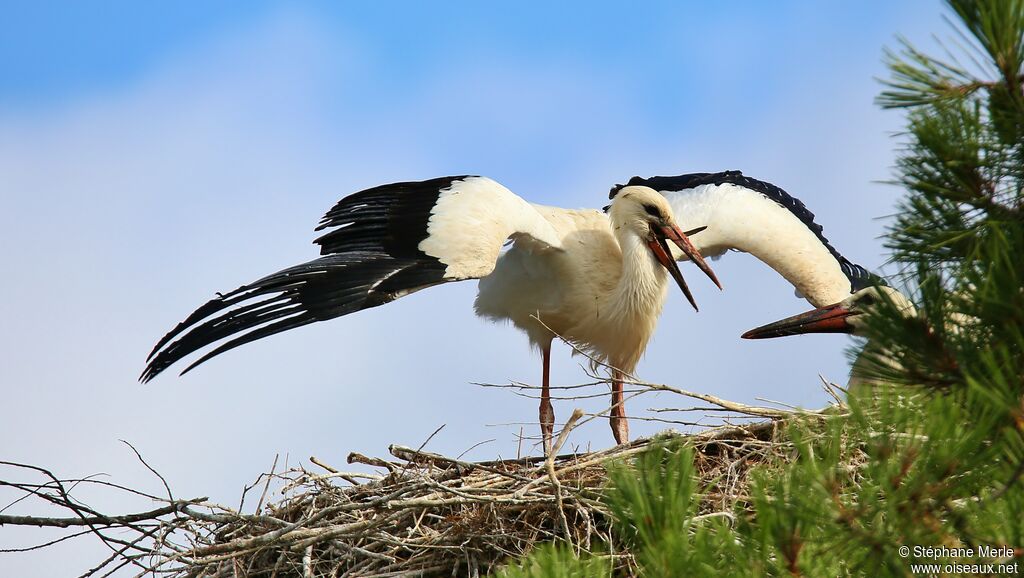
(618, 420)
(547, 413)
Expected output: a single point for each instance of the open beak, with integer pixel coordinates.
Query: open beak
(828, 319)
(657, 241)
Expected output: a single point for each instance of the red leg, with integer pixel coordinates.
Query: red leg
(547, 413)
(618, 421)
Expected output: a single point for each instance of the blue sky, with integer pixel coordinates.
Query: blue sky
(152, 154)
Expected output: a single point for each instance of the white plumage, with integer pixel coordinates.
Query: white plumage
(472, 219)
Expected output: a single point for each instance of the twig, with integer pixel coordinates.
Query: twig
(170, 496)
(564, 435)
(266, 486)
(176, 506)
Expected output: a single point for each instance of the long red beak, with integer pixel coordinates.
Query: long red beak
(828, 319)
(659, 246)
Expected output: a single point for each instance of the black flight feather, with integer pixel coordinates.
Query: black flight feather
(370, 256)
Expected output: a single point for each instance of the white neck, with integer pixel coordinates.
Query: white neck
(643, 285)
(633, 306)
(745, 220)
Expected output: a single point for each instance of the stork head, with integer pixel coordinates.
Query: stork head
(847, 316)
(645, 212)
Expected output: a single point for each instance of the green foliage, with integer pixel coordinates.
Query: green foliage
(550, 561)
(934, 454)
(963, 163)
(654, 503)
(658, 494)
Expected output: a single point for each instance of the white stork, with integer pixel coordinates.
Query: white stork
(598, 279)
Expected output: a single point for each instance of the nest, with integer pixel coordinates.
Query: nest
(419, 514)
(429, 515)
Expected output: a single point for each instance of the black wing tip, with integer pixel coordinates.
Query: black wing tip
(153, 365)
(154, 369)
(318, 290)
(861, 278)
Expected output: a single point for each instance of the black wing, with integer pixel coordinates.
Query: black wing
(371, 255)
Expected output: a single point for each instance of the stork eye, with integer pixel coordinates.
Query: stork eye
(867, 300)
(652, 211)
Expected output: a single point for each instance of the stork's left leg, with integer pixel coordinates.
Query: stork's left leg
(618, 421)
(547, 413)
